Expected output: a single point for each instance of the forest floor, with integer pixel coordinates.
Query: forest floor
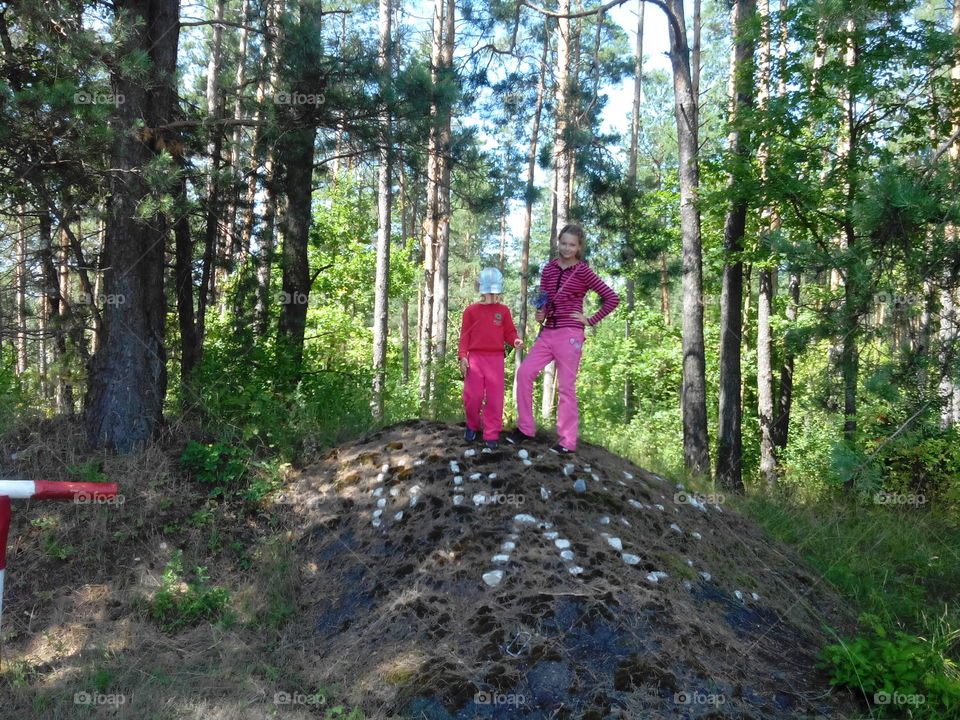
(405, 574)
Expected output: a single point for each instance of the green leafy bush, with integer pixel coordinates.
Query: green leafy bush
(178, 604)
(897, 672)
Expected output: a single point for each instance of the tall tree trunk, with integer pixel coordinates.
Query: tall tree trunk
(949, 386)
(431, 217)
(384, 197)
(21, 291)
(50, 304)
(781, 423)
(183, 287)
(240, 79)
(266, 91)
(211, 277)
(529, 191)
(128, 379)
(693, 394)
(561, 164)
(729, 429)
(440, 279)
(407, 225)
(629, 401)
(766, 283)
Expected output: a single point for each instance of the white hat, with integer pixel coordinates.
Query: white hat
(491, 281)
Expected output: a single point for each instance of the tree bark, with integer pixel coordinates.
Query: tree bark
(384, 197)
(730, 430)
(629, 401)
(693, 393)
(128, 379)
(529, 192)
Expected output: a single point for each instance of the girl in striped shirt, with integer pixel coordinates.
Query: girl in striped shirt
(564, 281)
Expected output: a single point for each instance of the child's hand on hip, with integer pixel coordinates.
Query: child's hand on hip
(463, 366)
(518, 343)
(540, 315)
(579, 316)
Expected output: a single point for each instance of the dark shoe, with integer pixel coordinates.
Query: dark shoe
(560, 450)
(492, 444)
(515, 437)
(470, 435)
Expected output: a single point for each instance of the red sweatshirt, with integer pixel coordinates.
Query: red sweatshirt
(486, 327)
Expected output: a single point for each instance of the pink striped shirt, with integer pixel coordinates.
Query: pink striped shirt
(565, 289)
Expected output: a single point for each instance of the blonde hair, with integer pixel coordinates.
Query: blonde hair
(578, 233)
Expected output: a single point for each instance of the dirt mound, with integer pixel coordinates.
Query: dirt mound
(454, 582)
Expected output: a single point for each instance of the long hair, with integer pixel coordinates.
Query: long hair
(577, 232)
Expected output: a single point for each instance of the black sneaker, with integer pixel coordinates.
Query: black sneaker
(470, 435)
(492, 444)
(515, 437)
(561, 450)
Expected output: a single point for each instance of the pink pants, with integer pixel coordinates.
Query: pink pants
(484, 380)
(565, 345)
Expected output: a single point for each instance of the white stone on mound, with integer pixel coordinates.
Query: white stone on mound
(493, 577)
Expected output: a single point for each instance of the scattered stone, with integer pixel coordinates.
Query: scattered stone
(382, 502)
(413, 500)
(398, 516)
(527, 462)
(545, 525)
(636, 503)
(738, 594)
(630, 559)
(576, 570)
(394, 491)
(656, 576)
(544, 493)
(615, 542)
(523, 518)
(579, 485)
(377, 513)
(493, 577)
(705, 575)
(523, 454)
(553, 535)
(675, 527)
(561, 543)
(604, 520)
(377, 492)
(508, 546)
(476, 476)
(479, 499)
(381, 477)
(458, 480)
(754, 596)
(500, 559)
(696, 535)
(568, 468)
(377, 522)
(419, 462)
(454, 467)
(595, 477)
(567, 554)
(457, 499)
(469, 453)
(625, 521)
(492, 476)
(687, 585)
(658, 506)
(627, 475)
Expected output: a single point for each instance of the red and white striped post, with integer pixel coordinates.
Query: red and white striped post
(43, 490)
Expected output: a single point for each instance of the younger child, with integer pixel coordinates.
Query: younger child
(487, 326)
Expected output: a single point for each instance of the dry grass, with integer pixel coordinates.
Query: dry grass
(77, 637)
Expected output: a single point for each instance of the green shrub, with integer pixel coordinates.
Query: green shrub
(179, 604)
(897, 672)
